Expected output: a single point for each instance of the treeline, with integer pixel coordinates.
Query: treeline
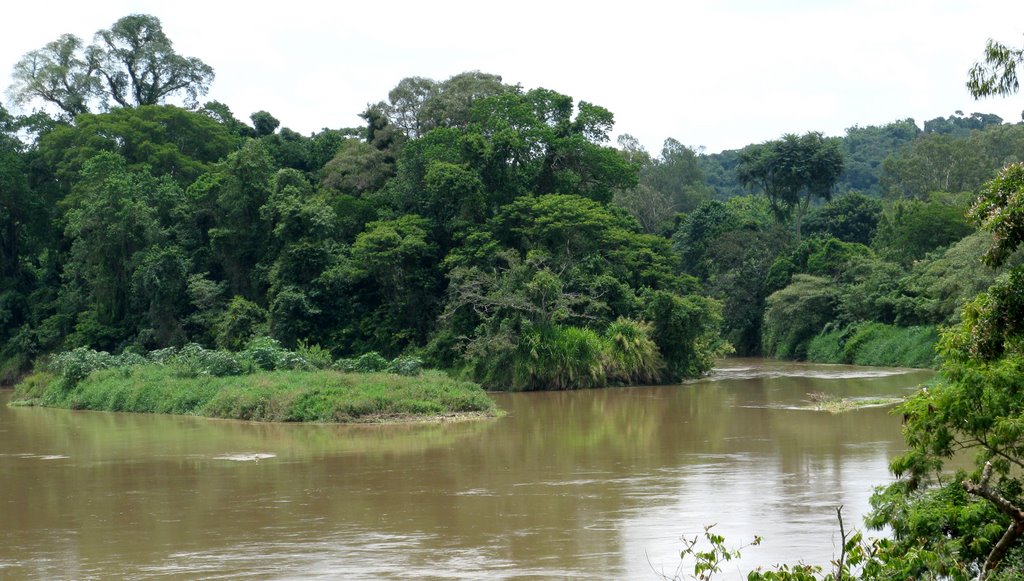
(481, 226)
(864, 270)
(468, 222)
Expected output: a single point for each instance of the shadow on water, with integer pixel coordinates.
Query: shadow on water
(569, 484)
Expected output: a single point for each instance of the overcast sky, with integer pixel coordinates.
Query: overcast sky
(714, 74)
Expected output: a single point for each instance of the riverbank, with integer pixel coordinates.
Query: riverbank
(877, 345)
(271, 396)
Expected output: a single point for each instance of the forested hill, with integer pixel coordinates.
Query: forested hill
(955, 153)
(488, 228)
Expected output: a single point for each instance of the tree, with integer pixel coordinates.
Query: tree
(791, 172)
(170, 140)
(851, 218)
(133, 63)
(677, 175)
(418, 105)
(976, 405)
(264, 123)
(111, 225)
(796, 314)
(60, 73)
(912, 228)
(138, 64)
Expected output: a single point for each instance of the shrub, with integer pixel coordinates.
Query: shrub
(315, 355)
(75, 365)
(193, 360)
(559, 357)
(405, 365)
(267, 354)
(370, 363)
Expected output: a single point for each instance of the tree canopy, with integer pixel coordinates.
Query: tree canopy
(132, 63)
(791, 172)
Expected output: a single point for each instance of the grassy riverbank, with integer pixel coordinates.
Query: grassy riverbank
(280, 396)
(876, 344)
(264, 383)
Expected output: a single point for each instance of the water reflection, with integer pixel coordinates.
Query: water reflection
(571, 484)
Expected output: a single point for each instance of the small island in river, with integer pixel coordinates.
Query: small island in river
(262, 383)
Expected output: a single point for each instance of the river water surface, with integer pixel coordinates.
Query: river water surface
(587, 484)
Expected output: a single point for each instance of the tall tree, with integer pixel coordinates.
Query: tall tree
(132, 63)
(139, 66)
(792, 171)
(60, 73)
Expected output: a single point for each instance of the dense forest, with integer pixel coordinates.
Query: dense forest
(484, 227)
(492, 230)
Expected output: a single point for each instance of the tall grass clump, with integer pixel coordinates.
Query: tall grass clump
(559, 357)
(631, 355)
(568, 357)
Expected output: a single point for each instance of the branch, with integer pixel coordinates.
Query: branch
(1013, 532)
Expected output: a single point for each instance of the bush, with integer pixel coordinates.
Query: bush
(557, 357)
(193, 360)
(797, 314)
(405, 365)
(371, 362)
(267, 354)
(75, 365)
(827, 348)
(315, 355)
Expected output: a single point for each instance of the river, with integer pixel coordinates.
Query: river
(596, 484)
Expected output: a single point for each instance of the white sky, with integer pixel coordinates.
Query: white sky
(714, 74)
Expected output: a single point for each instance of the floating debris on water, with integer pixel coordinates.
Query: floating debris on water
(244, 457)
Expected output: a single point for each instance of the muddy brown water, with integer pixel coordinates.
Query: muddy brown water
(588, 484)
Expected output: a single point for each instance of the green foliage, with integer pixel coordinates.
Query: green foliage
(133, 63)
(669, 184)
(865, 148)
(193, 361)
(171, 141)
(796, 314)
(791, 172)
(876, 344)
(555, 357)
(418, 105)
(632, 355)
(959, 162)
(999, 209)
(405, 365)
(283, 396)
(316, 356)
(267, 354)
(913, 228)
(997, 74)
(975, 405)
(241, 321)
(852, 217)
(686, 331)
(940, 285)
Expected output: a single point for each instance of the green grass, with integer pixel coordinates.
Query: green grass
(280, 396)
(876, 344)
